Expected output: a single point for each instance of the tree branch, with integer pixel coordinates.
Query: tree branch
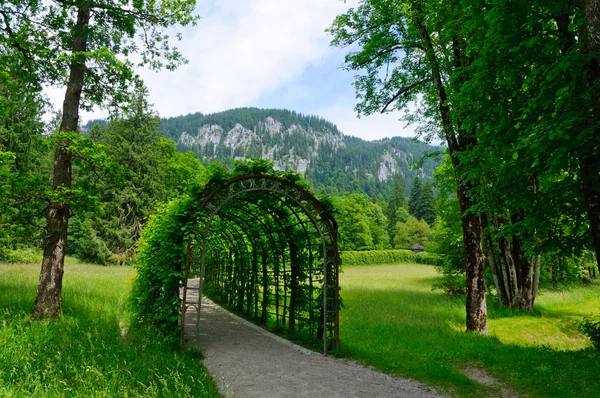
(404, 90)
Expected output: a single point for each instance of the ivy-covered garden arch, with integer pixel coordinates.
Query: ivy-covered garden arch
(257, 243)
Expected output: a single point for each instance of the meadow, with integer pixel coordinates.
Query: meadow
(393, 321)
(89, 352)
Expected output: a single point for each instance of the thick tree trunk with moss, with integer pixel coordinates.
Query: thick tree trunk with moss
(48, 299)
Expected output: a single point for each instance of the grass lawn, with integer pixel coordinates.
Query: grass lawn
(86, 353)
(394, 322)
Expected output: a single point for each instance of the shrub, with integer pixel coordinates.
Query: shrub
(428, 259)
(453, 282)
(376, 257)
(590, 326)
(20, 256)
(387, 257)
(85, 242)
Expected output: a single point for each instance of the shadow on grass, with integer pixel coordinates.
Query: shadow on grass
(420, 335)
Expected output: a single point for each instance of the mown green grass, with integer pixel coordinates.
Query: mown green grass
(395, 322)
(87, 353)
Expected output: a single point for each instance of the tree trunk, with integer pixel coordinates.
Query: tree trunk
(471, 224)
(474, 261)
(48, 299)
(590, 173)
(590, 168)
(490, 255)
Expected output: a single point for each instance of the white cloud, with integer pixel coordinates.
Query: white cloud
(241, 50)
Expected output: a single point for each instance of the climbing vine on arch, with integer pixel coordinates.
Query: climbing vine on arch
(261, 258)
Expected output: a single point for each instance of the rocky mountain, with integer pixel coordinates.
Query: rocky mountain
(313, 146)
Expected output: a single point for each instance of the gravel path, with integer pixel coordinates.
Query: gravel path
(247, 361)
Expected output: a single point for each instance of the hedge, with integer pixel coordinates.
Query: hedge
(387, 257)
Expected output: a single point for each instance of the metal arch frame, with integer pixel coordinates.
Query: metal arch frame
(323, 223)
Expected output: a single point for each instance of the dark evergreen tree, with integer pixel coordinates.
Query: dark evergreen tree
(426, 206)
(151, 172)
(415, 198)
(397, 201)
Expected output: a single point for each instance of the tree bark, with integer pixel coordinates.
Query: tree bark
(590, 167)
(48, 300)
(520, 274)
(474, 261)
(590, 173)
(491, 257)
(476, 317)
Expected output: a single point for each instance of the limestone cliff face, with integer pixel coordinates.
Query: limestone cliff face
(273, 141)
(333, 162)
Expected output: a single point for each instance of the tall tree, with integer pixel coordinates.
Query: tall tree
(397, 201)
(426, 208)
(415, 197)
(26, 159)
(85, 44)
(590, 158)
(361, 223)
(404, 53)
(533, 112)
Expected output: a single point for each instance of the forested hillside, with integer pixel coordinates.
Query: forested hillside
(332, 162)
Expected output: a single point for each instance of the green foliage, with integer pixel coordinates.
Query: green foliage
(373, 257)
(447, 240)
(86, 243)
(421, 204)
(453, 280)
(24, 156)
(159, 265)
(361, 223)
(560, 270)
(428, 259)
(396, 207)
(412, 231)
(426, 207)
(20, 256)
(590, 326)
(415, 197)
(42, 34)
(146, 170)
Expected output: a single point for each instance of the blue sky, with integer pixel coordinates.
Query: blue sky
(268, 54)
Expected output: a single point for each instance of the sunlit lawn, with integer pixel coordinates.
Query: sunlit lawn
(86, 353)
(395, 322)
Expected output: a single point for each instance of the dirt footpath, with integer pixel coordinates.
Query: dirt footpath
(247, 361)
